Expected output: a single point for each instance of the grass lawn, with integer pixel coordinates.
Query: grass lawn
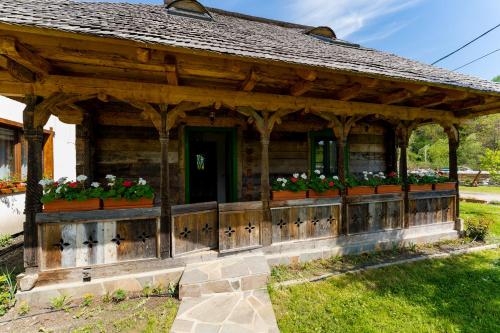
(481, 189)
(458, 294)
(468, 209)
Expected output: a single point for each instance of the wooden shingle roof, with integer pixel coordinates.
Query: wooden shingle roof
(227, 33)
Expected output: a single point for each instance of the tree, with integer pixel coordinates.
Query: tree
(491, 163)
(496, 78)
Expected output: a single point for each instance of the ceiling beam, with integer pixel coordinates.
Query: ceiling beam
(171, 69)
(350, 92)
(394, 97)
(306, 74)
(16, 51)
(250, 81)
(16, 71)
(301, 87)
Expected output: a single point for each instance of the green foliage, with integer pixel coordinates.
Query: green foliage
(320, 183)
(491, 163)
(295, 183)
(119, 295)
(24, 308)
(69, 190)
(119, 188)
(8, 287)
(477, 228)
(422, 179)
(5, 240)
(496, 78)
(88, 299)
(61, 302)
(107, 298)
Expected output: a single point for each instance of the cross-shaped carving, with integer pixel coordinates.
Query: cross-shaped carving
(368, 216)
(185, 233)
(143, 237)
(298, 222)
(282, 223)
(381, 215)
(207, 228)
(354, 218)
(90, 242)
(61, 245)
(118, 240)
(331, 219)
(250, 227)
(315, 221)
(229, 232)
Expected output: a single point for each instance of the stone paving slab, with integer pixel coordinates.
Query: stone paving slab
(241, 312)
(240, 273)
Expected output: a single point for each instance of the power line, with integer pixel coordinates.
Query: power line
(477, 59)
(464, 46)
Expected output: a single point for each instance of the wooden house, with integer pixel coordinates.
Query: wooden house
(210, 106)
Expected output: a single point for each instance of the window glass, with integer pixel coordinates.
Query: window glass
(7, 166)
(325, 155)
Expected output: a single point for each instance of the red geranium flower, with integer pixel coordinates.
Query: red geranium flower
(127, 183)
(331, 184)
(56, 184)
(294, 180)
(392, 174)
(73, 185)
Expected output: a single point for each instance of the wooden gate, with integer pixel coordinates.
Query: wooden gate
(239, 226)
(194, 228)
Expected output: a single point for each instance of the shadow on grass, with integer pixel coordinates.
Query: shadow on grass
(459, 294)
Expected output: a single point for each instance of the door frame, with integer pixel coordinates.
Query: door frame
(231, 163)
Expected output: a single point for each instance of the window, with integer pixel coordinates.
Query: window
(7, 160)
(324, 152)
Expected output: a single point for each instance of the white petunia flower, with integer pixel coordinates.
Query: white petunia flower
(110, 177)
(335, 177)
(81, 178)
(62, 180)
(42, 182)
(317, 172)
(370, 173)
(141, 182)
(365, 172)
(295, 175)
(95, 184)
(58, 190)
(283, 184)
(303, 176)
(111, 184)
(322, 177)
(285, 180)
(279, 180)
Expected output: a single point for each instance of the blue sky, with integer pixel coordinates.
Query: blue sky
(423, 30)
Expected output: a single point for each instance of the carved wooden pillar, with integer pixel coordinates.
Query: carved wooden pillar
(453, 143)
(265, 187)
(33, 134)
(403, 136)
(165, 215)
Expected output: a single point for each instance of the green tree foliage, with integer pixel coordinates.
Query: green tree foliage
(491, 163)
(496, 78)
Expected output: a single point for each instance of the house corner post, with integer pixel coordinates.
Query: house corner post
(453, 144)
(165, 209)
(85, 139)
(33, 134)
(403, 137)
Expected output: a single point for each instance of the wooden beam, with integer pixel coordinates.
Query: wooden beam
(171, 69)
(460, 105)
(348, 93)
(23, 56)
(441, 98)
(143, 55)
(306, 74)
(301, 87)
(17, 71)
(394, 97)
(161, 93)
(250, 81)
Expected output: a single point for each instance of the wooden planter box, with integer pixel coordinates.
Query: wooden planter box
(360, 190)
(5, 190)
(381, 189)
(445, 186)
(288, 195)
(125, 204)
(326, 194)
(420, 188)
(69, 206)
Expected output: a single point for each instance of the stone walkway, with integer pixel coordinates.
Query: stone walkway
(226, 295)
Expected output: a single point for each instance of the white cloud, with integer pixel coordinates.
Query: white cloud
(345, 16)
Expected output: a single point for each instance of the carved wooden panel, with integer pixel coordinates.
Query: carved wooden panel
(394, 215)
(431, 210)
(294, 223)
(374, 216)
(194, 231)
(239, 228)
(69, 245)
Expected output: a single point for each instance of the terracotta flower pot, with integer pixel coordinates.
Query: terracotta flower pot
(445, 186)
(70, 206)
(288, 195)
(381, 189)
(125, 204)
(361, 190)
(420, 188)
(327, 194)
